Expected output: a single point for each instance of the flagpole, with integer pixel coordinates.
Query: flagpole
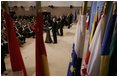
(84, 8)
(84, 11)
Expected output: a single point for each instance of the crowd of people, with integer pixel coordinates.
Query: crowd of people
(24, 27)
(56, 24)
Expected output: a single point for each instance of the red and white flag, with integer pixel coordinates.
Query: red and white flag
(91, 65)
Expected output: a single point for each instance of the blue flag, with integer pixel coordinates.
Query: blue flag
(78, 46)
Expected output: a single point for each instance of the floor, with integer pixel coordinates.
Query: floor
(58, 54)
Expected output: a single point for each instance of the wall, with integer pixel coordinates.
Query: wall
(60, 10)
(47, 3)
(20, 11)
(55, 11)
(60, 7)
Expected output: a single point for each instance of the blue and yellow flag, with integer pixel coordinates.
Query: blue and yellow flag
(106, 46)
(78, 46)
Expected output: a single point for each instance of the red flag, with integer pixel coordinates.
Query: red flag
(84, 65)
(42, 68)
(13, 47)
(87, 21)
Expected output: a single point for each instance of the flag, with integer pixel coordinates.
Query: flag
(87, 21)
(84, 64)
(96, 5)
(93, 52)
(100, 5)
(92, 14)
(108, 14)
(94, 25)
(42, 68)
(78, 47)
(113, 53)
(95, 49)
(106, 47)
(13, 47)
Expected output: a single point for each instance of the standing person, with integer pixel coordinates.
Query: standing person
(61, 25)
(50, 20)
(54, 30)
(58, 25)
(47, 29)
(70, 19)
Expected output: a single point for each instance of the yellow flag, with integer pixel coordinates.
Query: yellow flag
(104, 65)
(93, 26)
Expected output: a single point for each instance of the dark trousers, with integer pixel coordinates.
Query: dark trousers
(57, 32)
(61, 31)
(54, 36)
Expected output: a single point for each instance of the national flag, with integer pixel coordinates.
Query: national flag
(92, 60)
(13, 48)
(78, 47)
(96, 5)
(100, 5)
(113, 53)
(84, 65)
(106, 46)
(109, 12)
(42, 68)
(94, 25)
(92, 13)
(95, 49)
(87, 21)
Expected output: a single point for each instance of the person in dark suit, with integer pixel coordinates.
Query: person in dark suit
(70, 19)
(28, 31)
(20, 37)
(54, 30)
(62, 22)
(58, 26)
